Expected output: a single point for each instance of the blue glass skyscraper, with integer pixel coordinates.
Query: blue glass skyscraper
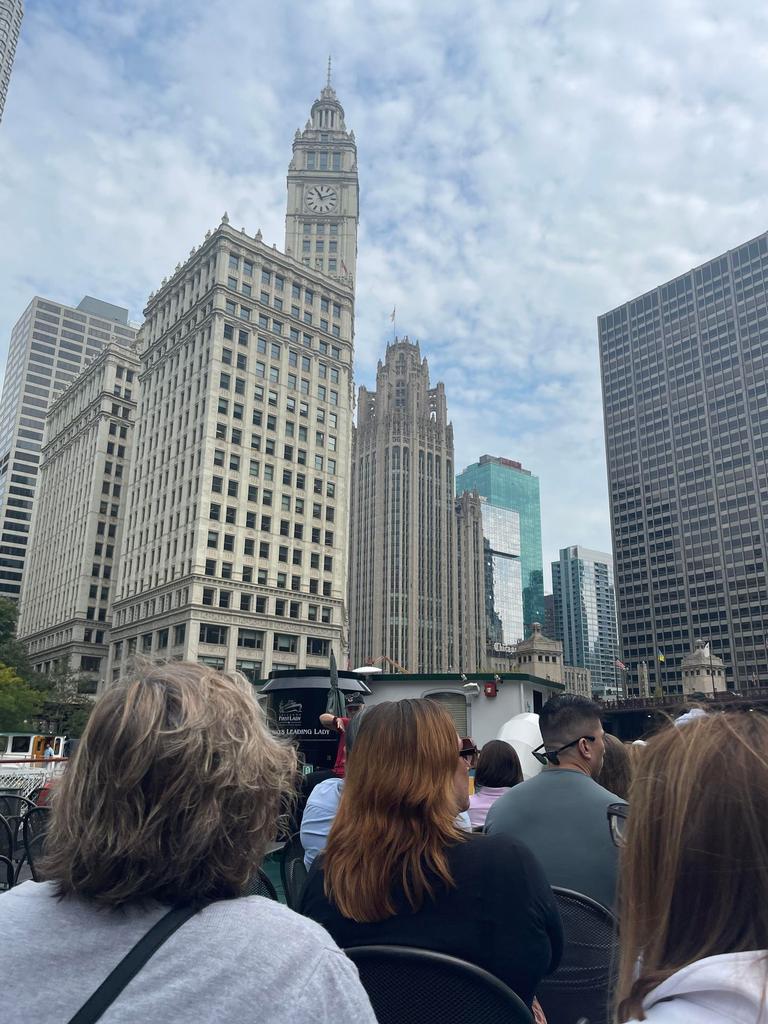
(512, 529)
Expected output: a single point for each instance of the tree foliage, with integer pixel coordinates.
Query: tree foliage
(65, 709)
(19, 703)
(59, 706)
(12, 651)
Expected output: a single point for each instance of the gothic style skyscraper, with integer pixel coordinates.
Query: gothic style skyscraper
(402, 601)
(323, 202)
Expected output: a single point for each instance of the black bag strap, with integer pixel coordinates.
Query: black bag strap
(132, 963)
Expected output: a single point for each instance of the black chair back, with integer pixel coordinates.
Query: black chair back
(407, 984)
(35, 825)
(292, 855)
(7, 873)
(6, 838)
(14, 806)
(297, 876)
(582, 986)
(260, 885)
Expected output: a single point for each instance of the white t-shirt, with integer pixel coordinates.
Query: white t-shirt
(241, 960)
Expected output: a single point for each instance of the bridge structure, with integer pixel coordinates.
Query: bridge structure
(639, 717)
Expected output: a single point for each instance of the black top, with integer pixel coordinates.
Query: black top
(501, 915)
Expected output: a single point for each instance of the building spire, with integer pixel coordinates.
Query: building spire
(328, 82)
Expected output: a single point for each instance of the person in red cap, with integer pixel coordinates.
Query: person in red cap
(355, 703)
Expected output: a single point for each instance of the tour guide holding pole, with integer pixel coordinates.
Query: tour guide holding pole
(334, 717)
(355, 704)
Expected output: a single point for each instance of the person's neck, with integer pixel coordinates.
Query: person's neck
(571, 767)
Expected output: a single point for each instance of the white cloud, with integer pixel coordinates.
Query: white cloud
(524, 167)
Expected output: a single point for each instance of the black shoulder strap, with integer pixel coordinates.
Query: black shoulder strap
(132, 963)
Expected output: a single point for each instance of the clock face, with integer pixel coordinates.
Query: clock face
(321, 198)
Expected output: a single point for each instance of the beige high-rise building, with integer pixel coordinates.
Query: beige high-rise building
(76, 527)
(50, 345)
(11, 13)
(235, 546)
(470, 582)
(402, 595)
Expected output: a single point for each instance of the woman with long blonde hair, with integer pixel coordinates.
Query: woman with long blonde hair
(694, 876)
(164, 816)
(397, 870)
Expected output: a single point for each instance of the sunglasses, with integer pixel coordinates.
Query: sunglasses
(617, 821)
(544, 756)
(468, 753)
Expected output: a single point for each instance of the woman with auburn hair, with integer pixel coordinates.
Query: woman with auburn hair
(694, 876)
(498, 770)
(171, 801)
(397, 870)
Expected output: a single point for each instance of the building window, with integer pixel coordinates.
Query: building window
(286, 643)
(252, 638)
(212, 633)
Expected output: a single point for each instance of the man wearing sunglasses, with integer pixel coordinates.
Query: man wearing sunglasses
(560, 814)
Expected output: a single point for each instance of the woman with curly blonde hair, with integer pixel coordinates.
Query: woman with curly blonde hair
(171, 801)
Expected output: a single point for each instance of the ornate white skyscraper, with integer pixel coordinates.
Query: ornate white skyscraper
(323, 207)
(235, 544)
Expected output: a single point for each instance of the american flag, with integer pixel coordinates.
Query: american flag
(621, 665)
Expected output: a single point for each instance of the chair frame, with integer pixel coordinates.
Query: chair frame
(266, 884)
(359, 954)
(591, 904)
(7, 840)
(16, 819)
(288, 854)
(10, 872)
(44, 813)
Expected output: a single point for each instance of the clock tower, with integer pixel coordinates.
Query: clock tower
(323, 210)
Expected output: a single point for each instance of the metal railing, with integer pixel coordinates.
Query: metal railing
(754, 693)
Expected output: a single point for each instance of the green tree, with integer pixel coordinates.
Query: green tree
(65, 707)
(12, 651)
(19, 703)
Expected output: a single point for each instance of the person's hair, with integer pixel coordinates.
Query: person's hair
(498, 765)
(174, 792)
(565, 716)
(694, 873)
(397, 813)
(616, 773)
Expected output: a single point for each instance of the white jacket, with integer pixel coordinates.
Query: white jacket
(732, 987)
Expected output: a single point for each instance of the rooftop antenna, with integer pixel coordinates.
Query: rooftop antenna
(328, 83)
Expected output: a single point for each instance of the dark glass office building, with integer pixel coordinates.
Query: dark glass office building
(685, 396)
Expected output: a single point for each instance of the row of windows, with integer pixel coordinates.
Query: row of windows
(257, 604)
(278, 281)
(288, 643)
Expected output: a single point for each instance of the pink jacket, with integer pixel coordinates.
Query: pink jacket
(480, 802)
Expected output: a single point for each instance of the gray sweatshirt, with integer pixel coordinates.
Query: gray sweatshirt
(241, 960)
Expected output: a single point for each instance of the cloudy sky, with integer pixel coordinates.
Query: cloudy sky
(524, 167)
